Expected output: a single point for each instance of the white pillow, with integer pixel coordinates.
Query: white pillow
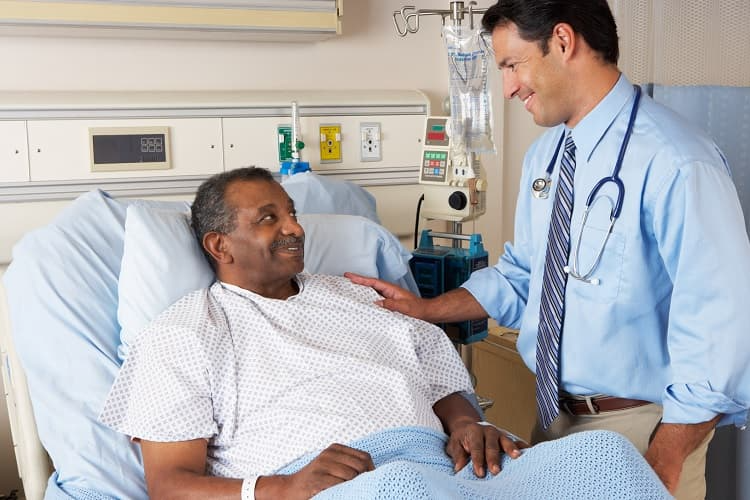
(162, 260)
(161, 263)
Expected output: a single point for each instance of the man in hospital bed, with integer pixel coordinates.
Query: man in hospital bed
(269, 364)
(233, 391)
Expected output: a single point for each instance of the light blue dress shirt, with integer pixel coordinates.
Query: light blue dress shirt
(669, 320)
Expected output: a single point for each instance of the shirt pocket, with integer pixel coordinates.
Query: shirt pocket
(608, 271)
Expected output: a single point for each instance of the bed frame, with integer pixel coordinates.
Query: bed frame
(34, 467)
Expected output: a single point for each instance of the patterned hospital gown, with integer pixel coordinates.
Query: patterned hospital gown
(267, 381)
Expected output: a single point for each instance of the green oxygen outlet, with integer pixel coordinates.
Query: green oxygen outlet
(285, 142)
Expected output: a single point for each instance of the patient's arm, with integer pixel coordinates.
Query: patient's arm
(484, 444)
(178, 470)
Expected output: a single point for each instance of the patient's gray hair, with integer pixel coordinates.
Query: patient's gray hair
(210, 213)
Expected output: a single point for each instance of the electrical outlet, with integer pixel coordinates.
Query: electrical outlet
(370, 142)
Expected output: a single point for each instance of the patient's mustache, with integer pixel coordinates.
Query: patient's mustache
(288, 242)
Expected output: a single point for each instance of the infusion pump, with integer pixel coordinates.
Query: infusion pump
(453, 187)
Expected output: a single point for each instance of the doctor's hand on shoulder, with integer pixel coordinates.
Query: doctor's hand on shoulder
(395, 298)
(456, 305)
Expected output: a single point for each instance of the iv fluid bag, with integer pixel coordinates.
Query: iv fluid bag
(471, 105)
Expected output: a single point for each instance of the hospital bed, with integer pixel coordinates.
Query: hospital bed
(93, 277)
(80, 287)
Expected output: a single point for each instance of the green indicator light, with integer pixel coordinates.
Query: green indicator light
(438, 128)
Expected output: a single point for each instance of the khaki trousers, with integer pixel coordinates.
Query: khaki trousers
(637, 425)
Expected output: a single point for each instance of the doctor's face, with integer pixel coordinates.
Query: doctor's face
(537, 79)
(267, 243)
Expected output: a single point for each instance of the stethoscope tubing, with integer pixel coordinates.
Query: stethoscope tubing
(541, 186)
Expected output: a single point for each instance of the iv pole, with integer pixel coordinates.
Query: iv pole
(406, 21)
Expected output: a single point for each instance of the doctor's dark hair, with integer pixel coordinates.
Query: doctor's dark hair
(210, 212)
(535, 19)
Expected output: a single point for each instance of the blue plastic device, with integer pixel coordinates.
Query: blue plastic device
(292, 167)
(439, 269)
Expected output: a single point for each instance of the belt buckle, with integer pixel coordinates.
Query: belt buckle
(591, 405)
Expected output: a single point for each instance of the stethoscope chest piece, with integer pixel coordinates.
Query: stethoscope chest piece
(540, 187)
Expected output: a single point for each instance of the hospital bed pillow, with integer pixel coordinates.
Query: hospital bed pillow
(162, 260)
(62, 300)
(317, 194)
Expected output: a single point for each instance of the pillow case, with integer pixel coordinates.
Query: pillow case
(318, 194)
(162, 260)
(62, 301)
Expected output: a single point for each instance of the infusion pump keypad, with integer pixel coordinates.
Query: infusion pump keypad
(434, 166)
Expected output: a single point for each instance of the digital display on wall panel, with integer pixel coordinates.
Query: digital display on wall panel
(129, 148)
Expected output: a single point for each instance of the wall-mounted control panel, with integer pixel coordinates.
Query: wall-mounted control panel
(129, 148)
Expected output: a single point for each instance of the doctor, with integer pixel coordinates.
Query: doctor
(628, 278)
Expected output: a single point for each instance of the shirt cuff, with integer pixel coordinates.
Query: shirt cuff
(697, 402)
(248, 488)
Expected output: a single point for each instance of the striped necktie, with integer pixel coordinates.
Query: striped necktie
(552, 306)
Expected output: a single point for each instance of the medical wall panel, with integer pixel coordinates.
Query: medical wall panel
(59, 149)
(14, 158)
(208, 132)
(254, 141)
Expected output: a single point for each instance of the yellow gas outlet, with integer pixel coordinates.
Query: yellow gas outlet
(330, 143)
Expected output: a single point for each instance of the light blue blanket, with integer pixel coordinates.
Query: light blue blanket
(411, 464)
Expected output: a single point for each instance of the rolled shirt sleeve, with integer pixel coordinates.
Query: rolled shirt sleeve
(700, 229)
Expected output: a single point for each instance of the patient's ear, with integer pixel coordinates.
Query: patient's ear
(216, 245)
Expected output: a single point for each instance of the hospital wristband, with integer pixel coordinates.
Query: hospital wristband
(248, 488)
(512, 436)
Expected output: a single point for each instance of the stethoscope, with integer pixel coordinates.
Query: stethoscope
(541, 186)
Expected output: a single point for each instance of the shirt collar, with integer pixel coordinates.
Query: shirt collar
(299, 278)
(590, 130)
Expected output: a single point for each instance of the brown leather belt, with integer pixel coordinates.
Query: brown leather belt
(598, 404)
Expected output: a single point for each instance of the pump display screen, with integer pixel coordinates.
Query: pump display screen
(436, 134)
(434, 164)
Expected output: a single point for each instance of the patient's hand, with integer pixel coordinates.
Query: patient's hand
(395, 298)
(334, 465)
(484, 445)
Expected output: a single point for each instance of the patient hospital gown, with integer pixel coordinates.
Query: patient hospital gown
(267, 381)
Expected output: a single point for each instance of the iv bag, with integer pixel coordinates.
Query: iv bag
(470, 102)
